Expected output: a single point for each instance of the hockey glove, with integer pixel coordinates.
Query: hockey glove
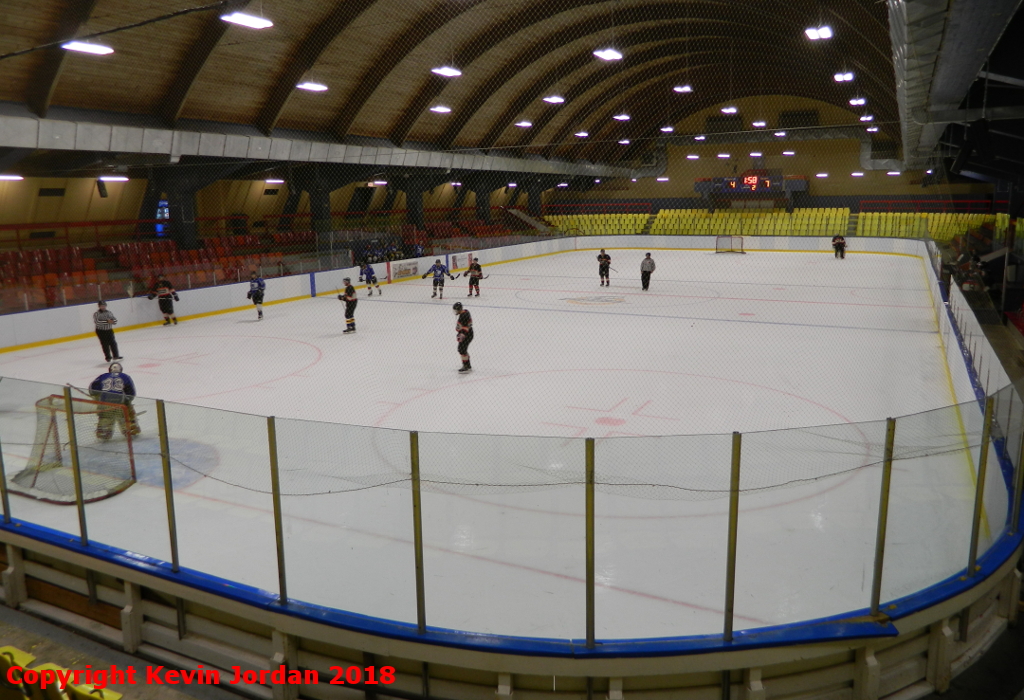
(460, 337)
(175, 295)
(151, 296)
(248, 295)
(341, 297)
(424, 276)
(360, 279)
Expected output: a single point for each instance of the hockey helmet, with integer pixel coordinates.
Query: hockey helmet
(438, 261)
(101, 303)
(457, 306)
(347, 280)
(115, 368)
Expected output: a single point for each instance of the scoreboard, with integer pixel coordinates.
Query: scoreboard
(748, 182)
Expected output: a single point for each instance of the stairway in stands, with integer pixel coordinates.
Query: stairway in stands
(851, 225)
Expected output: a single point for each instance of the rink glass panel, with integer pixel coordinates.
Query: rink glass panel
(495, 507)
(347, 517)
(661, 530)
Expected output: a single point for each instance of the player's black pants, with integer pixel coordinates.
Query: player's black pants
(841, 252)
(467, 338)
(350, 313)
(645, 279)
(257, 297)
(602, 272)
(166, 306)
(474, 282)
(108, 343)
(439, 282)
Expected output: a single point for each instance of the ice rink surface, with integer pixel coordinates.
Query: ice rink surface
(720, 343)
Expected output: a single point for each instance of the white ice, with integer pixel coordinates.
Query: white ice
(720, 343)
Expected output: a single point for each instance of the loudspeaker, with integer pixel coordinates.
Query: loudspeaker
(102, 187)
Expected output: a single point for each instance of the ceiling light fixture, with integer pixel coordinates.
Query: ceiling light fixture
(856, 174)
(780, 134)
(608, 54)
(581, 134)
(85, 47)
(245, 20)
(867, 117)
(723, 155)
(440, 109)
(113, 178)
(624, 142)
(311, 86)
(380, 182)
(563, 184)
(759, 125)
(662, 179)
(456, 184)
(11, 178)
(524, 124)
(816, 33)
(683, 88)
(274, 181)
(843, 77)
(789, 153)
(756, 154)
(511, 184)
(621, 117)
(693, 156)
(894, 172)
(821, 175)
(446, 71)
(554, 99)
(667, 129)
(729, 110)
(699, 138)
(871, 129)
(597, 181)
(858, 101)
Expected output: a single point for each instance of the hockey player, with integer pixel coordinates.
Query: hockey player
(475, 273)
(370, 276)
(349, 297)
(604, 264)
(440, 272)
(256, 289)
(105, 321)
(163, 290)
(839, 245)
(115, 387)
(464, 334)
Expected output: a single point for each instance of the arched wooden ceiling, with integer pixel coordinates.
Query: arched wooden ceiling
(376, 55)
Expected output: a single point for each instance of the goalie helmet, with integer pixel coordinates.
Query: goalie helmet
(115, 368)
(457, 306)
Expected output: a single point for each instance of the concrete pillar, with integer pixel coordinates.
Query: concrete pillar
(291, 205)
(13, 578)
(866, 675)
(939, 671)
(182, 206)
(533, 199)
(131, 618)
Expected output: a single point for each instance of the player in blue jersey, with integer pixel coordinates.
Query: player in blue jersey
(256, 289)
(367, 273)
(115, 387)
(439, 271)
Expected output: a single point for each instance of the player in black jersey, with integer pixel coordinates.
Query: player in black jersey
(349, 297)
(839, 245)
(475, 273)
(464, 334)
(163, 292)
(604, 263)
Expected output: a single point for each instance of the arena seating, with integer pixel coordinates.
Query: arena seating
(599, 224)
(776, 222)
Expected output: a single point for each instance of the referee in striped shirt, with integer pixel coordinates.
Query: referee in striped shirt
(105, 321)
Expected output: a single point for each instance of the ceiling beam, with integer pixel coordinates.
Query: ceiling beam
(72, 17)
(391, 55)
(173, 101)
(957, 116)
(304, 58)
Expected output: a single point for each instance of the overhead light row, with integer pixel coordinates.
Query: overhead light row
(240, 18)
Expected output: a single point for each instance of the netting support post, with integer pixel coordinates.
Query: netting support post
(589, 525)
(883, 514)
(734, 516)
(13, 578)
(417, 534)
(979, 493)
(5, 502)
(165, 463)
(76, 468)
(275, 490)
(1018, 487)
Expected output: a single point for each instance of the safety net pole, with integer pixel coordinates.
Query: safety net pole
(734, 513)
(883, 514)
(165, 463)
(979, 493)
(275, 489)
(417, 532)
(76, 467)
(591, 578)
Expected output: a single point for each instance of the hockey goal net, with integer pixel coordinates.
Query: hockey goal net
(729, 244)
(104, 437)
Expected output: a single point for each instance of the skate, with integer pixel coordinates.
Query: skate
(167, 321)
(349, 330)
(369, 293)
(433, 295)
(259, 316)
(470, 294)
(175, 319)
(465, 368)
(118, 357)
